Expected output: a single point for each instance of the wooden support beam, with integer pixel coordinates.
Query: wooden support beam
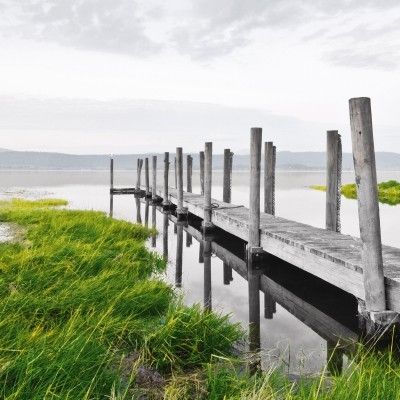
(368, 208)
(166, 203)
(227, 177)
(176, 174)
(180, 210)
(189, 171)
(269, 177)
(207, 224)
(333, 178)
(154, 184)
(201, 160)
(146, 177)
(139, 173)
(253, 249)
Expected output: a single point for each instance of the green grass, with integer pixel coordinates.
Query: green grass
(83, 308)
(78, 294)
(388, 192)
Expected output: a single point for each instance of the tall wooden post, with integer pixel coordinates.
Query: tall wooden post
(180, 210)
(253, 275)
(179, 255)
(139, 173)
(207, 224)
(368, 209)
(207, 275)
(176, 174)
(269, 178)
(154, 185)
(189, 170)
(227, 177)
(201, 161)
(146, 176)
(111, 187)
(166, 202)
(333, 172)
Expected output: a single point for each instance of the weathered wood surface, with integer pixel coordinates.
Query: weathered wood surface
(331, 256)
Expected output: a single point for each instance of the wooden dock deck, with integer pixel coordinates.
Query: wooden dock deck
(331, 256)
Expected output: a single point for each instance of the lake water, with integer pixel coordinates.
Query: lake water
(304, 315)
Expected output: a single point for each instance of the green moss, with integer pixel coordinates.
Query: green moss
(388, 192)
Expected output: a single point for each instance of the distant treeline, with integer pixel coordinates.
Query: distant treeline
(285, 160)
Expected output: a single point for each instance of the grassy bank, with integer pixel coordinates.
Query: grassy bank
(388, 192)
(84, 314)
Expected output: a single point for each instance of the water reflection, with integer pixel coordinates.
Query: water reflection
(313, 304)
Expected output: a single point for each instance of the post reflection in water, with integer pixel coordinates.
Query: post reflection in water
(201, 252)
(253, 279)
(207, 274)
(227, 269)
(146, 213)
(153, 225)
(179, 252)
(269, 305)
(165, 236)
(138, 210)
(189, 240)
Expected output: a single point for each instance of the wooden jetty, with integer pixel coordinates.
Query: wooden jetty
(361, 267)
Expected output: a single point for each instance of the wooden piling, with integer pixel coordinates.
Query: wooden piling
(269, 178)
(180, 210)
(333, 172)
(179, 255)
(189, 170)
(139, 173)
(207, 224)
(253, 275)
(269, 305)
(368, 209)
(201, 161)
(226, 197)
(176, 174)
(111, 187)
(207, 275)
(146, 176)
(227, 177)
(154, 184)
(254, 210)
(166, 202)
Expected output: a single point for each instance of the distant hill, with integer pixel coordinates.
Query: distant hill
(287, 160)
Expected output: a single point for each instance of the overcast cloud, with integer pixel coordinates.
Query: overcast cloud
(289, 64)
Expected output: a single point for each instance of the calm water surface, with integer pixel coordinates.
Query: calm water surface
(307, 312)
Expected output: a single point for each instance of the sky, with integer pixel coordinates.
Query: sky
(131, 76)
